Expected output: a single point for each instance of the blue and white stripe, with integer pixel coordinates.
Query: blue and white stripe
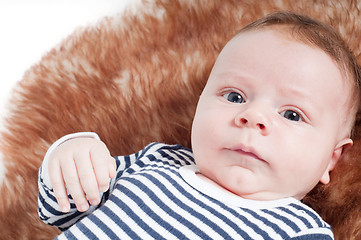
(150, 199)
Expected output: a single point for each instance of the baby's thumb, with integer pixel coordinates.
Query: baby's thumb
(112, 167)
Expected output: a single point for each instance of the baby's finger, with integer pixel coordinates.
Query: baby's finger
(58, 185)
(99, 157)
(72, 182)
(87, 177)
(112, 167)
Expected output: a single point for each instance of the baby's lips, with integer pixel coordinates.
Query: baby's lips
(249, 151)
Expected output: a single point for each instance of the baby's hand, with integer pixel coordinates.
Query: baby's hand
(84, 167)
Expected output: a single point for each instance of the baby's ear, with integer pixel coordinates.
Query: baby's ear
(340, 148)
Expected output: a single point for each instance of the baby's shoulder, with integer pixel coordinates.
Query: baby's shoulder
(161, 153)
(305, 218)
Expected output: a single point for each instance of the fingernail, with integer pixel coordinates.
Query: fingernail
(104, 188)
(94, 202)
(83, 207)
(64, 208)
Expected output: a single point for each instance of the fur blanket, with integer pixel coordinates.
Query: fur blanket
(136, 78)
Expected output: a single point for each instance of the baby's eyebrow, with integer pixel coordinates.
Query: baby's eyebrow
(307, 102)
(238, 79)
(296, 91)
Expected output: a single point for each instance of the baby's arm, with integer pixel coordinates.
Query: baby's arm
(83, 166)
(78, 164)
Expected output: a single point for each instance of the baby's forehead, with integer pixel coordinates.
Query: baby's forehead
(286, 32)
(343, 80)
(341, 55)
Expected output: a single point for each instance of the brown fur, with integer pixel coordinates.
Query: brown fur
(136, 78)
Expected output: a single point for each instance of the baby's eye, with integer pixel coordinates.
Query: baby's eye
(291, 115)
(234, 97)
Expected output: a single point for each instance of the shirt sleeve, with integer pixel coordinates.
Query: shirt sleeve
(48, 208)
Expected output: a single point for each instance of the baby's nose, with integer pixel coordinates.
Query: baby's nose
(261, 126)
(253, 120)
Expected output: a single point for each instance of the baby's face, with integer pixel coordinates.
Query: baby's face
(269, 122)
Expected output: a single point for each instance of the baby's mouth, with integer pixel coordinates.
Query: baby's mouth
(247, 151)
(240, 151)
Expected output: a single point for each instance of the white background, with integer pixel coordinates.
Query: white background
(30, 28)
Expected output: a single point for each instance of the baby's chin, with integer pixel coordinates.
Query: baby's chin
(264, 195)
(240, 184)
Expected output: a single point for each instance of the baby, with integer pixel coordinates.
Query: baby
(273, 120)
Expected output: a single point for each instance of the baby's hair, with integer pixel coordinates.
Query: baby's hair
(315, 33)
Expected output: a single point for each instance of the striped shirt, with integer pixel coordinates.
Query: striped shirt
(158, 195)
